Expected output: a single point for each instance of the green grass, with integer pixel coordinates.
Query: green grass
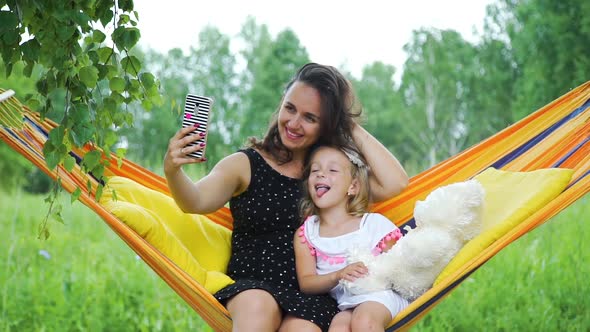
(83, 278)
(94, 282)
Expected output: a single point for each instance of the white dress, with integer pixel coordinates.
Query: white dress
(331, 255)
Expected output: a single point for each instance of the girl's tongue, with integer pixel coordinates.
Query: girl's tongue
(320, 190)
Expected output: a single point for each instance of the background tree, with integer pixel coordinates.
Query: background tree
(549, 41)
(270, 64)
(434, 86)
(382, 105)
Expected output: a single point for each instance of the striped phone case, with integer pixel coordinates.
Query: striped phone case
(196, 110)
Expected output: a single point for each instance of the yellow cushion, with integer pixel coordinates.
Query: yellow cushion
(196, 244)
(511, 197)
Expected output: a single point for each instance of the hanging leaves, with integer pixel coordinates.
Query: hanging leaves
(88, 75)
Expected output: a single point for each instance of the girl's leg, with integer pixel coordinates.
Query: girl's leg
(254, 310)
(370, 316)
(341, 322)
(296, 324)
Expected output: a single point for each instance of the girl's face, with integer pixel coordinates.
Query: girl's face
(299, 117)
(330, 179)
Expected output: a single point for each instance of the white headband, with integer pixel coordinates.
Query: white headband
(354, 158)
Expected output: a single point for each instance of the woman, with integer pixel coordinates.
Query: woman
(262, 184)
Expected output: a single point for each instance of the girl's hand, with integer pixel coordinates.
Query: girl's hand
(177, 153)
(353, 272)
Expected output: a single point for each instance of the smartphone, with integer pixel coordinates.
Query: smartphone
(196, 111)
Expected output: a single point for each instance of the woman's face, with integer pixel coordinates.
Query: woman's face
(299, 117)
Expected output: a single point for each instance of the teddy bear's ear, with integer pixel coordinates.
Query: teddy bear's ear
(476, 193)
(419, 212)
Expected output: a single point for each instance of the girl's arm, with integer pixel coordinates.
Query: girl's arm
(312, 283)
(388, 178)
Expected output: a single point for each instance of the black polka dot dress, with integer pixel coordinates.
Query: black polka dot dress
(265, 219)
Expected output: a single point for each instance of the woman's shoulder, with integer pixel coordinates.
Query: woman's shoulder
(250, 153)
(239, 157)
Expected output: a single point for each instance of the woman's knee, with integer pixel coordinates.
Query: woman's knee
(295, 324)
(341, 322)
(254, 309)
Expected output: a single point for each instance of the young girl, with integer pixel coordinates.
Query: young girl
(335, 202)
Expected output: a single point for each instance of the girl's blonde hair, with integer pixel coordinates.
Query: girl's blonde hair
(357, 204)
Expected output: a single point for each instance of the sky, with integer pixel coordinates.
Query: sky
(344, 34)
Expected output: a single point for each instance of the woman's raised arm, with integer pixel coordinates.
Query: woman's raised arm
(387, 176)
(212, 191)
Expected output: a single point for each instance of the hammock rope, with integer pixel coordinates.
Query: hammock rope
(557, 135)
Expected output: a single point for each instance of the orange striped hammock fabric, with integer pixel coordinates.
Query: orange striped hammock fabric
(557, 135)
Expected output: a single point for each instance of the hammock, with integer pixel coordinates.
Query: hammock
(555, 136)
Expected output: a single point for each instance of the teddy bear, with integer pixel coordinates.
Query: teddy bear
(449, 216)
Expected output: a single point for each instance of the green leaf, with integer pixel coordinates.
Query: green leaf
(98, 171)
(146, 104)
(44, 233)
(33, 103)
(82, 133)
(110, 138)
(131, 64)
(117, 84)
(117, 97)
(125, 38)
(56, 213)
(112, 71)
(104, 53)
(106, 13)
(80, 113)
(121, 152)
(11, 37)
(129, 119)
(8, 20)
(98, 36)
(147, 79)
(75, 195)
(56, 135)
(82, 20)
(65, 32)
(9, 67)
(30, 49)
(91, 159)
(28, 70)
(123, 19)
(109, 104)
(69, 163)
(52, 159)
(118, 119)
(125, 5)
(99, 189)
(89, 76)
